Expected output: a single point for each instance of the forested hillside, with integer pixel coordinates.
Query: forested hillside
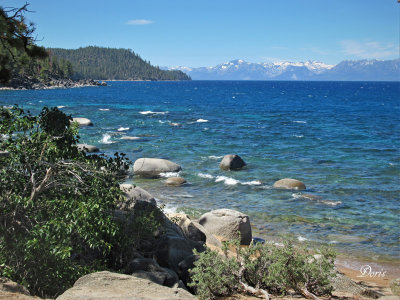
(113, 64)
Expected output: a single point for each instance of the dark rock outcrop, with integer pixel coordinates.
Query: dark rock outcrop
(232, 162)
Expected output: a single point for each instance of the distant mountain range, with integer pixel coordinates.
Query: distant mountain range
(361, 70)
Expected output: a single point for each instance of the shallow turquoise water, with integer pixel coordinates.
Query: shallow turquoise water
(340, 138)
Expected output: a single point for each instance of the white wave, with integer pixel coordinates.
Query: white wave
(297, 195)
(332, 203)
(298, 136)
(301, 239)
(227, 180)
(184, 196)
(149, 112)
(40, 101)
(215, 157)
(301, 122)
(169, 174)
(201, 121)
(61, 106)
(104, 109)
(106, 139)
(123, 129)
(162, 122)
(169, 209)
(208, 176)
(254, 182)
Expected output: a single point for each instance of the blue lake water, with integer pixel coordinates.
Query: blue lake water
(340, 138)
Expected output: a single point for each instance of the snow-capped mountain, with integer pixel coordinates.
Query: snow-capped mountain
(309, 70)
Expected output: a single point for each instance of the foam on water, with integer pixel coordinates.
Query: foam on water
(169, 174)
(301, 239)
(227, 180)
(207, 176)
(123, 129)
(253, 182)
(300, 122)
(61, 106)
(104, 109)
(149, 112)
(106, 139)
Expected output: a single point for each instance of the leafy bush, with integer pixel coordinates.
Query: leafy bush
(56, 204)
(263, 270)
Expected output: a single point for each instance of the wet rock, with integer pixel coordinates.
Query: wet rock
(289, 184)
(152, 167)
(232, 162)
(226, 223)
(175, 181)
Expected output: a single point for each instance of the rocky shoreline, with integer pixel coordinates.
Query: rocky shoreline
(31, 83)
(161, 269)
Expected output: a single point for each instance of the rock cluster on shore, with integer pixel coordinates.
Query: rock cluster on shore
(32, 83)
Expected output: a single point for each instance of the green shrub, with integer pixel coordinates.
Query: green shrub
(263, 269)
(57, 204)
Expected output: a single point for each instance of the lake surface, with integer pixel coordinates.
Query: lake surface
(340, 138)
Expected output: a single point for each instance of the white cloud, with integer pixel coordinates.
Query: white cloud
(369, 49)
(139, 22)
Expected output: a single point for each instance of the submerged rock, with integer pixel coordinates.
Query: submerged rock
(82, 121)
(226, 223)
(289, 184)
(232, 162)
(175, 181)
(107, 285)
(152, 167)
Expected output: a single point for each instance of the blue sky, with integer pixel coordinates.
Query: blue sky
(206, 33)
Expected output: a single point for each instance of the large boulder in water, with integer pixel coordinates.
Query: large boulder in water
(87, 148)
(82, 121)
(232, 162)
(226, 223)
(153, 167)
(289, 184)
(106, 285)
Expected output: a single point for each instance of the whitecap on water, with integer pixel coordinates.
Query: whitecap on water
(215, 157)
(300, 122)
(104, 109)
(106, 139)
(208, 176)
(331, 203)
(298, 136)
(149, 112)
(123, 129)
(227, 180)
(253, 182)
(61, 106)
(201, 121)
(169, 174)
